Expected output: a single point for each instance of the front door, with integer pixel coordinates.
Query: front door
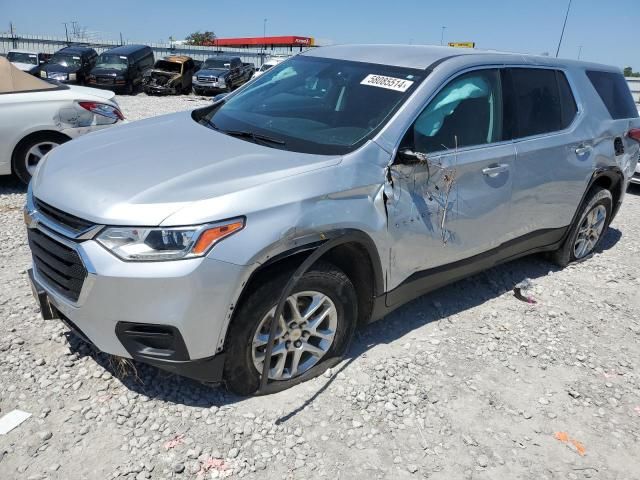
(450, 186)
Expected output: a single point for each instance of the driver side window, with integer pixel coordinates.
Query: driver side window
(466, 112)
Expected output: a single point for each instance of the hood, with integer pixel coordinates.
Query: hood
(109, 72)
(212, 72)
(143, 172)
(25, 67)
(56, 67)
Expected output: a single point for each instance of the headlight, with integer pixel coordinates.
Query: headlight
(72, 76)
(194, 79)
(156, 244)
(102, 109)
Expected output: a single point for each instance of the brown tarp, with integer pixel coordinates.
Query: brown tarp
(13, 79)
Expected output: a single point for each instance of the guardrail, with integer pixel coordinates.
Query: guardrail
(634, 86)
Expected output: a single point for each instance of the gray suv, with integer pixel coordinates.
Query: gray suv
(359, 177)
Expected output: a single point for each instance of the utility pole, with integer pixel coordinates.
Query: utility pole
(66, 31)
(264, 39)
(13, 35)
(579, 52)
(442, 36)
(566, 17)
(121, 42)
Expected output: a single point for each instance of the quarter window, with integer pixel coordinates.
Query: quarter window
(466, 112)
(614, 92)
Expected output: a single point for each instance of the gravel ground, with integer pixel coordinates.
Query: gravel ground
(467, 382)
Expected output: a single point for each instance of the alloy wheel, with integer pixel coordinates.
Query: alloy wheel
(304, 334)
(35, 154)
(590, 231)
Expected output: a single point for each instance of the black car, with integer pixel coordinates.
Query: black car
(70, 65)
(121, 68)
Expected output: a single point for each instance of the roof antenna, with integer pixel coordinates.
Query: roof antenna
(566, 17)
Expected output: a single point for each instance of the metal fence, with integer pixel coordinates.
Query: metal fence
(634, 86)
(51, 44)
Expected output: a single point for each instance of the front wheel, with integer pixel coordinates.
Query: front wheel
(317, 324)
(30, 151)
(591, 225)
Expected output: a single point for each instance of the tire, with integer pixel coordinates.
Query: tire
(30, 150)
(129, 88)
(196, 91)
(599, 204)
(241, 372)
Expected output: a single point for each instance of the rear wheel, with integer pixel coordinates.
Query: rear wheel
(30, 151)
(317, 324)
(590, 227)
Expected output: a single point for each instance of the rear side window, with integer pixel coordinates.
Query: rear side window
(544, 102)
(615, 94)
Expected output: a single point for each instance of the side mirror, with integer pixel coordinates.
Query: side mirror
(219, 97)
(406, 156)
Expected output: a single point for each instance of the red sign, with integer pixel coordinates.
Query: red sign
(285, 41)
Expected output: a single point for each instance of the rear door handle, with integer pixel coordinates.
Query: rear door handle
(495, 170)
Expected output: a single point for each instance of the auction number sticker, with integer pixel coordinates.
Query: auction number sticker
(390, 83)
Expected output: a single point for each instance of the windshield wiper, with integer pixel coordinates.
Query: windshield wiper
(256, 137)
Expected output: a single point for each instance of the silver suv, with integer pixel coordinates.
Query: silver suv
(170, 240)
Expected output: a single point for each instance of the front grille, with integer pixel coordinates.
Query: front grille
(58, 264)
(71, 222)
(105, 80)
(207, 79)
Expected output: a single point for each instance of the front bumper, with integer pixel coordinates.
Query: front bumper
(208, 88)
(158, 90)
(169, 314)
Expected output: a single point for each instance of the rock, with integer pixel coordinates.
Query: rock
(45, 435)
(483, 460)
(179, 467)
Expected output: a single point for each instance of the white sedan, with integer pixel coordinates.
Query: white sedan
(36, 116)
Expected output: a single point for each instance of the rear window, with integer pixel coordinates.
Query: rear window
(544, 102)
(614, 92)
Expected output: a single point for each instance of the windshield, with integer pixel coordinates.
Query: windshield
(66, 60)
(316, 105)
(218, 63)
(110, 60)
(19, 57)
(168, 66)
(266, 67)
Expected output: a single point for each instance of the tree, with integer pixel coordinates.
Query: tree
(200, 38)
(628, 72)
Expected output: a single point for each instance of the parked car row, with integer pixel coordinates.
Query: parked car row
(130, 68)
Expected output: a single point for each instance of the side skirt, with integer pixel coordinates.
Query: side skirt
(427, 281)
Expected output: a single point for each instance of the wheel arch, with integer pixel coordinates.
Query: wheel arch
(26, 138)
(355, 254)
(612, 179)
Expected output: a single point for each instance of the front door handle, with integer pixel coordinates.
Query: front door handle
(582, 150)
(495, 170)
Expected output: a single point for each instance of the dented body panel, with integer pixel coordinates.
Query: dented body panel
(449, 207)
(24, 113)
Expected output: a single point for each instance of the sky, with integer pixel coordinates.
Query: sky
(607, 30)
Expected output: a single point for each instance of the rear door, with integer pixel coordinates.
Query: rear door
(554, 156)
